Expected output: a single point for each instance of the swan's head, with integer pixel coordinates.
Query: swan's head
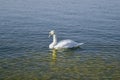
(51, 33)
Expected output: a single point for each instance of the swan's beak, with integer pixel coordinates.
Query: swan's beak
(49, 36)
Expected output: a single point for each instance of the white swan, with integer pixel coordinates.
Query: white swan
(62, 44)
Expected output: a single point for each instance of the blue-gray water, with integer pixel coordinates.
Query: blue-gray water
(24, 27)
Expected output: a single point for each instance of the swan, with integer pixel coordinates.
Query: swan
(64, 44)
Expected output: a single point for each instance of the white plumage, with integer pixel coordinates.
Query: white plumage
(62, 44)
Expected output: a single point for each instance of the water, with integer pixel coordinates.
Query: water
(24, 27)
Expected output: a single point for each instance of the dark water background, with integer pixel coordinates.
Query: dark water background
(24, 27)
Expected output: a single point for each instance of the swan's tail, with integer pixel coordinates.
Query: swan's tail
(80, 44)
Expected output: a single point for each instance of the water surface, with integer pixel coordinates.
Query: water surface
(24, 27)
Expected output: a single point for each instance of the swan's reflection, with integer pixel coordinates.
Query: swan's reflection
(64, 53)
(54, 56)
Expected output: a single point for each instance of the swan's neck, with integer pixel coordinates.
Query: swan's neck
(51, 46)
(54, 39)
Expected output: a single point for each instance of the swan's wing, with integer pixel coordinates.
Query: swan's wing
(66, 44)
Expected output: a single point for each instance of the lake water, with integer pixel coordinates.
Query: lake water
(24, 27)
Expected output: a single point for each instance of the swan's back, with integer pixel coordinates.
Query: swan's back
(66, 44)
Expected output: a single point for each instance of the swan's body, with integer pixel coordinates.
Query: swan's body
(62, 44)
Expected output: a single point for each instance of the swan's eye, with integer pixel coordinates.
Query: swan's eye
(50, 33)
